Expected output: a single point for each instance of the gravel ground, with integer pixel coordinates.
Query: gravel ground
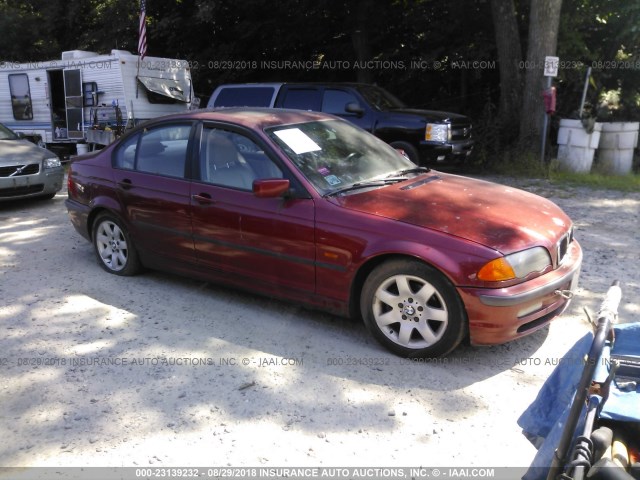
(157, 370)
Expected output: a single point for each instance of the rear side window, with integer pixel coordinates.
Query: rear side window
(245, 97)
(303, 99)
(126, 154)
(161, 151)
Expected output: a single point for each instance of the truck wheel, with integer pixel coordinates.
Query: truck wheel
(410, 151)
(412, 309)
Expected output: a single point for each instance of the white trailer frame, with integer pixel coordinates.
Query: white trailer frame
(63, 101)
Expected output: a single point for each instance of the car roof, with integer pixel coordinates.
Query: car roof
(250, 117)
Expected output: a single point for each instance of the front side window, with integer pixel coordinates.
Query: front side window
(230, 159)
(7, 134)
(335, 101)
(20, 96)
(379, 98)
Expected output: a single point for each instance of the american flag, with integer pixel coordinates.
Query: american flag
(142, 41)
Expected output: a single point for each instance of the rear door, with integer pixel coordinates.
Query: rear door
(151, 173)
(266, 243)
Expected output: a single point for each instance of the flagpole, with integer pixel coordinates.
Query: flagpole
(142, 40)
(137, 77)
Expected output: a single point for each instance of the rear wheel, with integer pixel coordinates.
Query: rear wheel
(412, 309)
(114, 248)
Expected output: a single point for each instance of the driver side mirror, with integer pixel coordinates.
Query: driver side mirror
(355, 108)
(270, 187)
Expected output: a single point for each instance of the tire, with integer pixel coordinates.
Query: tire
(410, 151)
(48, 196)
(412, 309)
(113, 246)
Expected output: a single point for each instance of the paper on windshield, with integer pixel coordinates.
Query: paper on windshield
(297, 140)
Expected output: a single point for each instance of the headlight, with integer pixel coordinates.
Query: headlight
(516, 265)
(437, 132)
(52, 162)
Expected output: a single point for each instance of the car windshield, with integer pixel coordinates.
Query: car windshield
(337, 157)
(379, 98)
(6, 134)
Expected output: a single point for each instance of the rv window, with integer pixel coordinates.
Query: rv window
(20, 96)
(90, 94)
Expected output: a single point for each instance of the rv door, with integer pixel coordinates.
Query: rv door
(73, 103)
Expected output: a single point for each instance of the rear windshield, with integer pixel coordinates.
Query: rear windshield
(245, 97)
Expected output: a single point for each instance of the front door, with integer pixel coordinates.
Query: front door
(262, 243)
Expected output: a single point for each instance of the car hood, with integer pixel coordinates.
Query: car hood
(497, 216)
(14, 152)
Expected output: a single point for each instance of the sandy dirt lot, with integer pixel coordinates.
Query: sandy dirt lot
(158, 370)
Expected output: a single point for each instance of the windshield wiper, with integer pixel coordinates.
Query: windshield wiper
(356, 186)
(407, 171)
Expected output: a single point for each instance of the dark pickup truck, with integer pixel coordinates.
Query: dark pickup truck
(426, 136)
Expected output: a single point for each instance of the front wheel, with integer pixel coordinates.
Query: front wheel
(412, 309)
(113, 246)
(409, 151)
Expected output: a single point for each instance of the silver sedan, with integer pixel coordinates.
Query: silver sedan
(27, 170)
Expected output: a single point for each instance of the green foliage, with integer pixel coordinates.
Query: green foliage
(624, 183)
(604, 35)
(434, 51)
(21, 31)
(516, 163)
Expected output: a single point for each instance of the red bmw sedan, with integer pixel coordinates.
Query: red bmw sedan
(309, 208)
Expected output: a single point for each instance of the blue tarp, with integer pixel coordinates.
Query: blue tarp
(545, 418)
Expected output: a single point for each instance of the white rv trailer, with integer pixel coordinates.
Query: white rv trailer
(90, 97)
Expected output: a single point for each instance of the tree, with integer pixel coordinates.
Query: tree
(360, 38)
(544, 22)
(606, 37)
(21, 29)
(509, 59)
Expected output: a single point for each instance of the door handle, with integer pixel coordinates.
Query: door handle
(125, 184)
(203, 198)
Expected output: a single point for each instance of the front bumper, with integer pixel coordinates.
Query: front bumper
(446, 152)
(46, 182)
(500, 315)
